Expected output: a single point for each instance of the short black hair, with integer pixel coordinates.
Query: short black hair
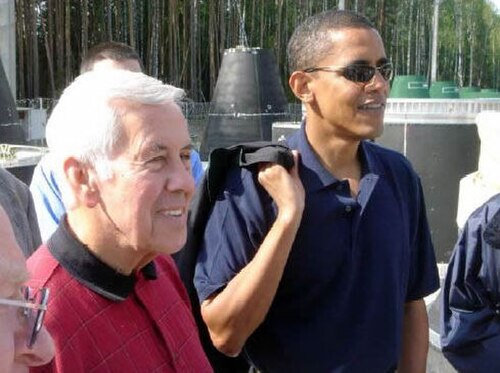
(310, 42)
(110, 50)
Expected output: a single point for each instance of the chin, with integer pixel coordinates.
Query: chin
(372, 131)
(378, 132)
(17, 368)
(173, 245)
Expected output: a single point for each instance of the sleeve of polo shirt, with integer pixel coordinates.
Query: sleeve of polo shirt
(47, 198)
(470, 327)
(235, 230)
(423, 278)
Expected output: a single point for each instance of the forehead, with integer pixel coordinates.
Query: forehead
(163, 126)
(355, 45)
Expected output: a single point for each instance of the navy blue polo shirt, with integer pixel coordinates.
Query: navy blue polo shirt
(353, 265)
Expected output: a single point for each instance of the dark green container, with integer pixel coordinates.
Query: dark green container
(469, 92)
(443, 89)
(409, 86)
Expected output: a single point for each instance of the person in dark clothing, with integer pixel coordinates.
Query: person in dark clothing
(323, 268)
(470, 308)
(16, 199)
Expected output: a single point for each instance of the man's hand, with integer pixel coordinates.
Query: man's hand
(284, 187)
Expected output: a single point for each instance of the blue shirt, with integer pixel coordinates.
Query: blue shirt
(47, 196)
(353, 265)
(470, 308)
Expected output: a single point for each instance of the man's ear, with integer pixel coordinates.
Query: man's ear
(299, 83)
(82, 181)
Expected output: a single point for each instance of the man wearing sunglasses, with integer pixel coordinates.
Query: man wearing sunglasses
(325, 273)
(24, 342)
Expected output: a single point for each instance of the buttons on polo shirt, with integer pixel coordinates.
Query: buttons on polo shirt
(339, 187)
(350, 209)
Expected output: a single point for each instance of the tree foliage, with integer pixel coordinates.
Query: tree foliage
(182, 41)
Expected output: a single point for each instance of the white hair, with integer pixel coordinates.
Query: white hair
(86, 125)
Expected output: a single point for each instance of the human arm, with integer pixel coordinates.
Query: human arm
(235, 312)
(423, 280)
(36, 239)
(196, 167)
(415, 338)
(470, 308)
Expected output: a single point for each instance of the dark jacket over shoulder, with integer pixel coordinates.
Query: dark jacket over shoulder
(470, 309)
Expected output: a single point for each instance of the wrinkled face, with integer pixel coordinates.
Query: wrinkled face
(348, 109)
(146, 198)
(14, 354)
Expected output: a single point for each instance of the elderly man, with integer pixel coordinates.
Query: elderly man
(323, 268)
(45, 183)
(24, 343)
(123, 146)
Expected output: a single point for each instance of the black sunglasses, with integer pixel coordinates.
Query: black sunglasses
(357, 73)
(34, 307)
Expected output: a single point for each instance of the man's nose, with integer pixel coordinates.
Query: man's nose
(181, 179)
(40, 353)
(377, 82)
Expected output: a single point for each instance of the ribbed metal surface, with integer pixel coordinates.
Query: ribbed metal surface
(248, 98)
(442, 154)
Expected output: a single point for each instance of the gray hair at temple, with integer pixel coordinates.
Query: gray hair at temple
(311, 42)
(85, 123)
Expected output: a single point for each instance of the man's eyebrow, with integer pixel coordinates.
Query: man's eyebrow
(19, 274)
(156, 148)
(359, 62)
(151, 149)
(379, 62)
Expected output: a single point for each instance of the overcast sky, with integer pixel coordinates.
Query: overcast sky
(497, 4)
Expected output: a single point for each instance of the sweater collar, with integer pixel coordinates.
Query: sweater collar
(89, 270)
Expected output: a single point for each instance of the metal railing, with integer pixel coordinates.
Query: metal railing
(444, 111)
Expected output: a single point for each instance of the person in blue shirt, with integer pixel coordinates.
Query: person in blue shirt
(44, 185)
(324, 268)
(470, 299)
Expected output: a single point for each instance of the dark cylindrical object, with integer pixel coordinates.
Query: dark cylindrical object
(248, 98)
(10, 129)
(442, 154)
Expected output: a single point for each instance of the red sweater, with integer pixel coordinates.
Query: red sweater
(151, 330)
